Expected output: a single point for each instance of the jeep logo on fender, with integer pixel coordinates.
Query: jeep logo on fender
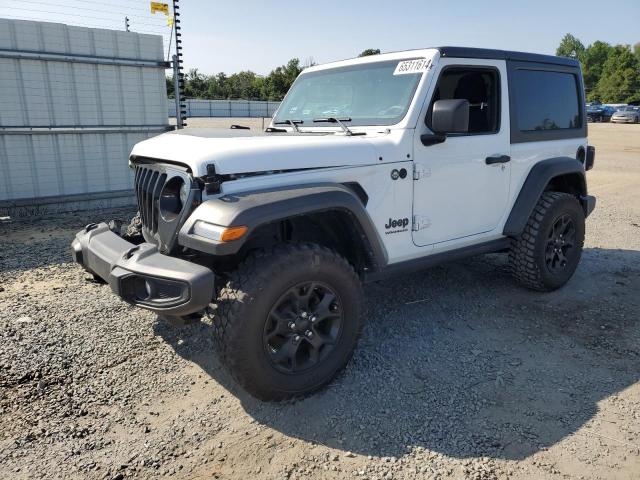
(399, 225)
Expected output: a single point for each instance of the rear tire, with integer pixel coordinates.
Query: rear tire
(288, 320)
(547, 253)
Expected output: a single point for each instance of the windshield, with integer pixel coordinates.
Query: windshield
(369, 94)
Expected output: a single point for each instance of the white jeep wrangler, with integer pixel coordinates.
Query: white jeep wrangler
(370, 167)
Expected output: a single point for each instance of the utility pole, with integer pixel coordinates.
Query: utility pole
(178, 76)
(177, 87)
(126, 24)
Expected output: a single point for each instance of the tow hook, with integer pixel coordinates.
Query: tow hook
(129, 253)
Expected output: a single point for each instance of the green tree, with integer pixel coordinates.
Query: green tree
(620, 79)
(243, 85)
(278, 82)
(370, 51)
(195, 84)
(593, 60)
(570, 47)
(611, 74)
(217, 86)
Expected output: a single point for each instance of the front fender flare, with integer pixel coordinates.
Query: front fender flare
(260, 207)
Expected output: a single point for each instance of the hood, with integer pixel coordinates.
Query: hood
(244, 151)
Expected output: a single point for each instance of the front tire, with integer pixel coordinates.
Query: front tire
(288, 320)
(547, 253)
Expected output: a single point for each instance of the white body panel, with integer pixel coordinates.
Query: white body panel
(462, 196)
(525, 155)
(277, 152)
(389, 199)
(465, 200)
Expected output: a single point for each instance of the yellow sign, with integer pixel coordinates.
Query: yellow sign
(159, 7)
(170, 21)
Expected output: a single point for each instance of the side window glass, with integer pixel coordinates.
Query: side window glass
(479, 86)
(547, 100)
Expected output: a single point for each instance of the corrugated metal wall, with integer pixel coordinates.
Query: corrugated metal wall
(73, 102)
(226, 108)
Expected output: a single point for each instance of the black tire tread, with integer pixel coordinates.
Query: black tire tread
(522, 261)
(244, 284)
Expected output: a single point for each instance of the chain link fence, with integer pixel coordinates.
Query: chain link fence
(227, 108)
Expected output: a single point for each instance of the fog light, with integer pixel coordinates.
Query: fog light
(157, 292)
(218, 233)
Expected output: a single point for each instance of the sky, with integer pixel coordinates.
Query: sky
(231, 36)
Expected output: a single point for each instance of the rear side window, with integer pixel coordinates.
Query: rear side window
(546, 100)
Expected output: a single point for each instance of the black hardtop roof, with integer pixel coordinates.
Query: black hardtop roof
(467, 52)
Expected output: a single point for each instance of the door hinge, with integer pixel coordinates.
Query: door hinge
(420, 171)
(420, 222)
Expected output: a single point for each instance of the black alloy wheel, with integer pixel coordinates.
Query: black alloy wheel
(303, 327)
(560, 243)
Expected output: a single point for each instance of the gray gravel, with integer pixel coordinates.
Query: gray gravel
(459, 373)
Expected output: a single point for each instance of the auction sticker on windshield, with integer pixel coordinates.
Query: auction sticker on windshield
(417, 65)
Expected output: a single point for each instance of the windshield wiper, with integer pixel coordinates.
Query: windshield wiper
(294, 124)
(339, 122)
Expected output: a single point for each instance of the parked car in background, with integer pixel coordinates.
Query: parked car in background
(599, 113)
(627, 114)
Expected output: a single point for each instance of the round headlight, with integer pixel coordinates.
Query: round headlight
(184, 193)
(171, 202)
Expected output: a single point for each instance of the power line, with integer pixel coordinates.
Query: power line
(127, 5)
(49, 12)
(59, 13)
(74, 22)
(109, 12)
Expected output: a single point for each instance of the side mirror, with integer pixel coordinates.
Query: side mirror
(450, 116)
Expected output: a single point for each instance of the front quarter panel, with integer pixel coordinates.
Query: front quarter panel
(388, 201)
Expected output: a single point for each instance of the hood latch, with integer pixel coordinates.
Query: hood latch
(212, 180)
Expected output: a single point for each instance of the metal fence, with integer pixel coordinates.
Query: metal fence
(227, 108)
(73, 102)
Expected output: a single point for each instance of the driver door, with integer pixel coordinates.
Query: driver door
(462, 186)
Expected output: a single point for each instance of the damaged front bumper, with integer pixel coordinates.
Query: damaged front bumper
(141, 275)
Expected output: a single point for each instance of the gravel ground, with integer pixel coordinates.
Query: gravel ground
(459, 373)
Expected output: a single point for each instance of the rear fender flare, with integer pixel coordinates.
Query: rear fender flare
(537, 181)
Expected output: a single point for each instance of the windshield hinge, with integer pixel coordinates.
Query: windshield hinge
(420, 171)
(420, 222)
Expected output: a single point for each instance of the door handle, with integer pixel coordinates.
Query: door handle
(497, 159)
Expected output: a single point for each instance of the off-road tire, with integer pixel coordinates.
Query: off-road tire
(527, 261)
(244, 303)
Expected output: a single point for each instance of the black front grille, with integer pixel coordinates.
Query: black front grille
(148, 184)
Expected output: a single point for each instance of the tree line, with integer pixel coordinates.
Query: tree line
(611, 72)
(246, 85)
(611, 75)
